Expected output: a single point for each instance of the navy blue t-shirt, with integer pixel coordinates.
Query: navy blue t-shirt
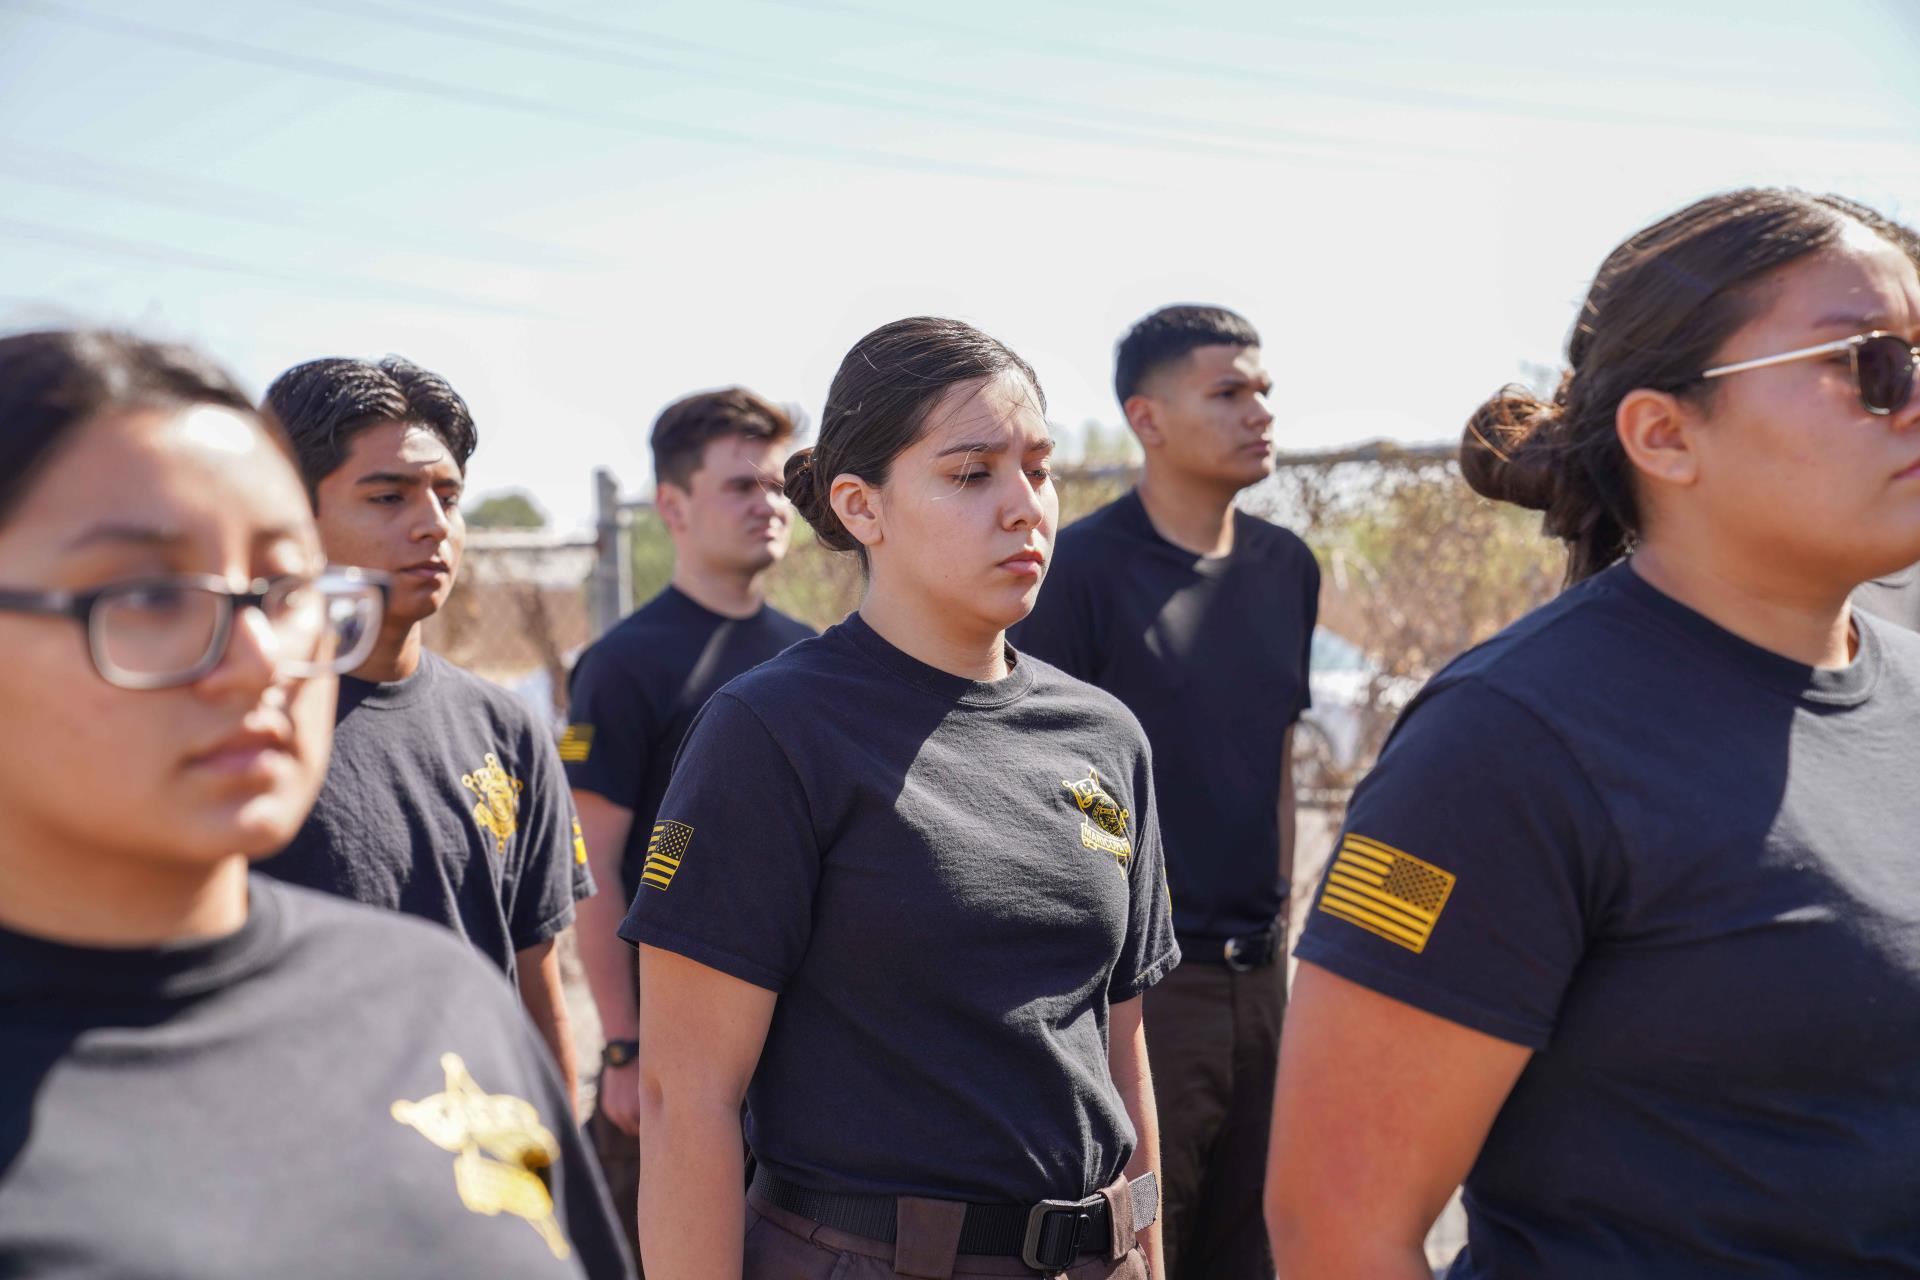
(444, 799)
(1684, 871)
(1211, 654)
(948, 883)
(635, 691)
(329, 1091)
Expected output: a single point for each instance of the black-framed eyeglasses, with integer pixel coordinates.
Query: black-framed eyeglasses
(1883, 367)
(163, 632)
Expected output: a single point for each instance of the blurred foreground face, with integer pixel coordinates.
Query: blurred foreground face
(969, 509)
(1790, 463)
(737, 517)
(228, 764)
(394, 505)
(1211, 407)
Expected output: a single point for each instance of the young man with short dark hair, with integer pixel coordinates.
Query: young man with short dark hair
(1200, 617)
(444, 798)
(717, 460)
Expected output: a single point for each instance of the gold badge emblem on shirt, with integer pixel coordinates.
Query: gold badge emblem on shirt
(1103, 823)
(576, 744)
(497, 1141)
(498, 811)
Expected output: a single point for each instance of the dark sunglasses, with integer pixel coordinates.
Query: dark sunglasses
(1883, 365)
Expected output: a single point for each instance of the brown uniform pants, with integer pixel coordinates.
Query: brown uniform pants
(1213, 1036)
(619, 1153)
(786, 1246)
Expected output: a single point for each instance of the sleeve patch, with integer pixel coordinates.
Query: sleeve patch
(576, 743)
(1386, 891)
(665, 847)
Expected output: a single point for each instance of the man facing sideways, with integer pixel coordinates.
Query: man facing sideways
(717, 459)
(1199, 617)
(444, 798)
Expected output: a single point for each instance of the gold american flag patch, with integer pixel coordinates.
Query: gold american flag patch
(576, 742)
(665, 847)
(1386, 891)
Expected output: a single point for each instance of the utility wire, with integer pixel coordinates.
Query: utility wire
(70, 171)
(813, 89)
(628, 122)
(361, 287)
(933, 90)
(1337, 87)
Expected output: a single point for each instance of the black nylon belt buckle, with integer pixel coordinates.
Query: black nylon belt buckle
(1056, 1230)
(1248, 952)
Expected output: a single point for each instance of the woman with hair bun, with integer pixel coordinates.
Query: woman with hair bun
(1624, 929)
(905, 890)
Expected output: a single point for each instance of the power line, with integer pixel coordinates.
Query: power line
(194, 260)
(813, 89)
(1336, 87)
(70, 171)
(497, 100)
(928, 89)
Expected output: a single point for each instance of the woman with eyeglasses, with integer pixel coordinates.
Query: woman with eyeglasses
(1624, 929)
(205, 1073)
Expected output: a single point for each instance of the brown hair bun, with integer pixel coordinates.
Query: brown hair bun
(809, 498)
(1506, 449)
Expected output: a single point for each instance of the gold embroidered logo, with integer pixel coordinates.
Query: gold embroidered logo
(499, 807)
(1386, 891)
(1103, 825)
(576, 743)
(665, 847)
(498, 1142)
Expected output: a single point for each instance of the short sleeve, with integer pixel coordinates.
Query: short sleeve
(610, 731)
(1310, 619)
(733, 862)
(1061, 629)
(551, 859)
(1471, 869)
(1149, 952)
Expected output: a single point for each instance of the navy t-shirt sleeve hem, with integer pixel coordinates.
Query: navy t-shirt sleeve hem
(546, 929)
(1148, 977)
(1438, 1001)
(703, 952)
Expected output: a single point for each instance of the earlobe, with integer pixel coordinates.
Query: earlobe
(1656, 429)
(857, 503)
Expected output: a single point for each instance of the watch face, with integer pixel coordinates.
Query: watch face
(619, 1053)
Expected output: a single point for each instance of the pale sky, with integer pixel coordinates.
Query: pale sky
(579, 211)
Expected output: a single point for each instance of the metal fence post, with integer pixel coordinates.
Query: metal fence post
(612, 591)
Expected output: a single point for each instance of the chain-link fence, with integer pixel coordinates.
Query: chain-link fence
(1415, 570)
(519, 613)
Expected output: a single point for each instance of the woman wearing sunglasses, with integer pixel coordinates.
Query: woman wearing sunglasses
(1624, 929)
(204, 1073)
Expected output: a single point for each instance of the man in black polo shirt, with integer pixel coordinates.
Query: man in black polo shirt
(444, 797)
(1199, 618)
(717, 460)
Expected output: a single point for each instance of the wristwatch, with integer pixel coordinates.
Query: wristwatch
(619, 1053)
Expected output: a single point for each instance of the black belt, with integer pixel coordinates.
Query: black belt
(1047, 1236)
(1239, 952)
